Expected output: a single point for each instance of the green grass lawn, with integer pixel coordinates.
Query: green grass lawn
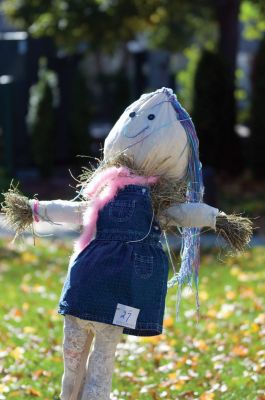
(221, 357)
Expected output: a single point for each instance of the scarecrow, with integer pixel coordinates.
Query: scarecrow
(148, 183)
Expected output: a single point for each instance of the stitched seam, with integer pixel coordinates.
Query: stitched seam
(162, 291)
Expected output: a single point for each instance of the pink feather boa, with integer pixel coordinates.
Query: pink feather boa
(101, 190)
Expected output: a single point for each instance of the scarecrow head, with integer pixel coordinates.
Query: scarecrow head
(151, 132)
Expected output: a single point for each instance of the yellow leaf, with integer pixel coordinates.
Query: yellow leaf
(158, 356)
(17, 353)
(168, 322)
(254, 328)
(235, 271)
(179, 385)
(15, 394)
(243, 277)
(206, 396)
(56, 359)
(211, 313)
(29, 329)
(200, 344)
(181, 361)
(4, 388)
(211, 327)
(230, 295)
(153, 339)
(172, 375)
(204, 295)
(28, 257)
(38, 288)
(25, 306)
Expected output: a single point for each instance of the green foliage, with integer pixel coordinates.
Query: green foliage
(257, 138)
(44, 97)
(212, 110)
(226, 345)
(242, 98)
(103, 24)
(252, 16)
(185, 77)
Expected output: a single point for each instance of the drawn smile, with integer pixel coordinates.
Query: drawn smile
(137, 134)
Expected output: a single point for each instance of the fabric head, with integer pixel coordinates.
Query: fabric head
(150, 132)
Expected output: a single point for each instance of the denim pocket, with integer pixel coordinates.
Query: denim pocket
(143, 265)
(121, 210)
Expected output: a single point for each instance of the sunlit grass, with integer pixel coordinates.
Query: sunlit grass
(221, 357)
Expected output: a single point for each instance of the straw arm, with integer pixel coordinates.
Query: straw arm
(58, 211)
(195, 215)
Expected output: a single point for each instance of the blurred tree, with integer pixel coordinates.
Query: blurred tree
(79, 116)
(185, 77)
(213, 114)
(257, 121)
(120, 90)
(227, 13)
(104, 24)
(252, 15)
(44, 97)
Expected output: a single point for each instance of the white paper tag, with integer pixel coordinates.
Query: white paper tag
(126, 316)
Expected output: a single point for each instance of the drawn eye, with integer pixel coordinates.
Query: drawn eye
(132, 114)
(151, 116)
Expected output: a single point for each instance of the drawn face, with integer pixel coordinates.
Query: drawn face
(148, 128)
(146, 120)
(145, 116)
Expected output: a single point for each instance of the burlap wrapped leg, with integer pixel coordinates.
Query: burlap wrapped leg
(76, 345)
(101, 362)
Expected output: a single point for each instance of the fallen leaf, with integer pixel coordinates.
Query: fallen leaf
(17, 353)
(200, 344)
(207, 396)
(33, 392)
(29, 329)
(168, 322)
(240, 351)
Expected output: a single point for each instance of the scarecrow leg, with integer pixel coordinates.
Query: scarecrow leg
(80, 378)
(76, 345)
(101, 362)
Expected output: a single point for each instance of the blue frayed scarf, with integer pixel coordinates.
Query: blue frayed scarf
(190, 249)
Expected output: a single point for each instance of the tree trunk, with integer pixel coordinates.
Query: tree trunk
(227, 12)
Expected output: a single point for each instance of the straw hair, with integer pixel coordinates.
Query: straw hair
(236, 230)
(164, 193)
(17, 210)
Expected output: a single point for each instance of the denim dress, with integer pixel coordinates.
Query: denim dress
(124, 269)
